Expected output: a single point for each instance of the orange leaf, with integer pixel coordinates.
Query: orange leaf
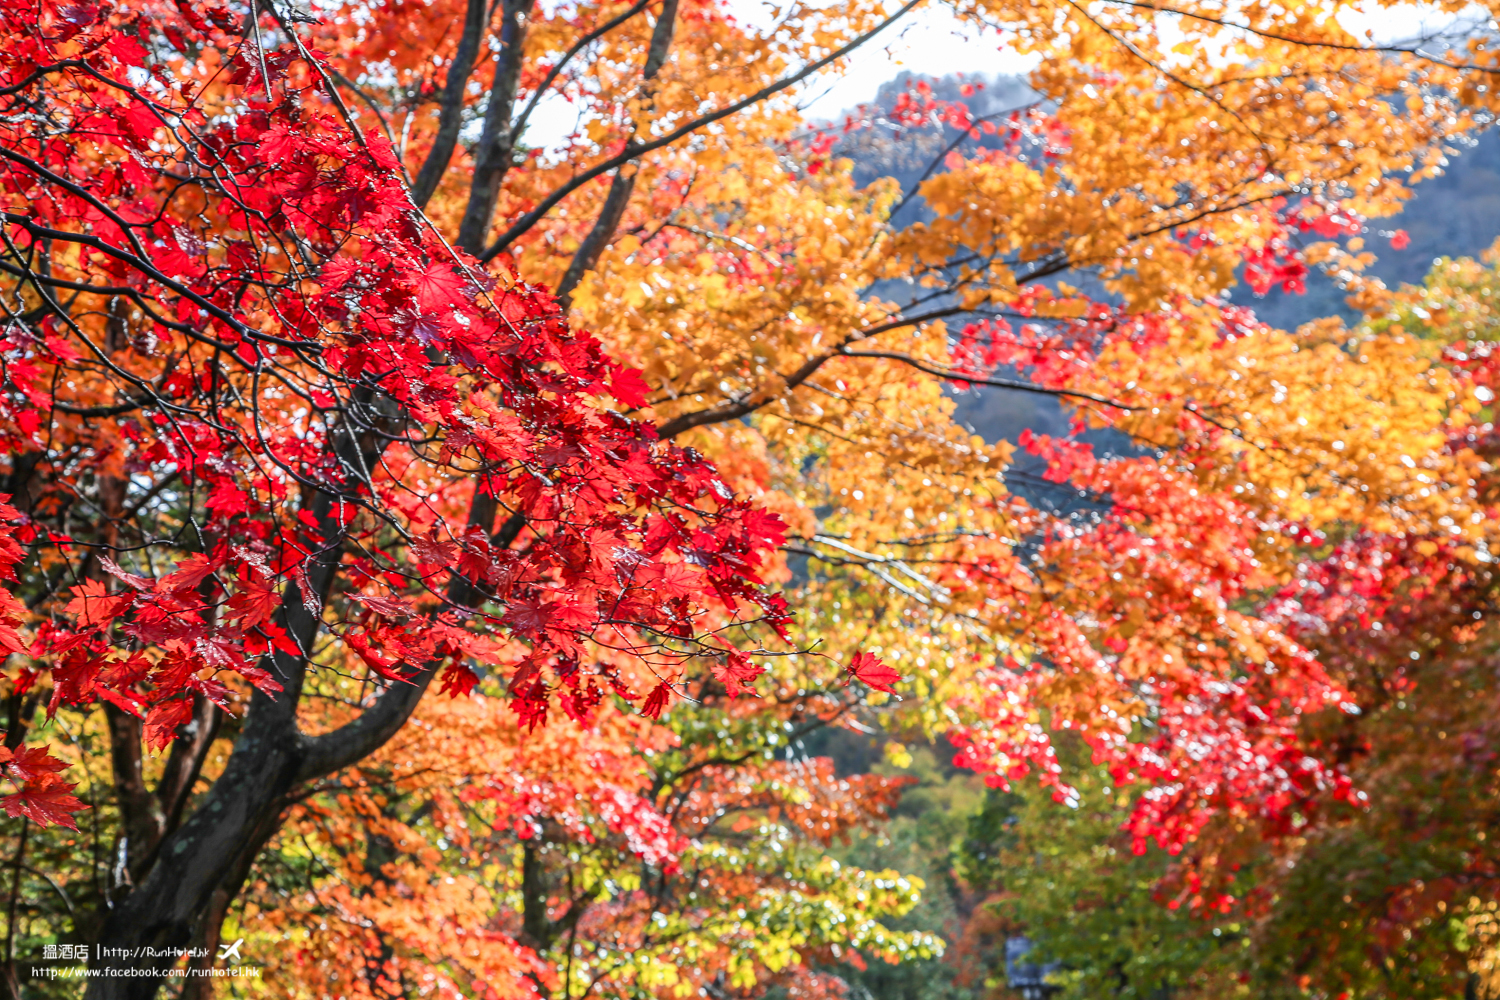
(94, 606)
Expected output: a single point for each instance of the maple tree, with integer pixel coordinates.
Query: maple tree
(1406, 621)
(1100, 918)
(296, 427)
(1394, 895)
(294, 410)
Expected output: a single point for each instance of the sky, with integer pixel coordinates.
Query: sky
(930, 41)
(934, 43)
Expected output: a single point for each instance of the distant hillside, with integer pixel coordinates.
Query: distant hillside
(905, 153)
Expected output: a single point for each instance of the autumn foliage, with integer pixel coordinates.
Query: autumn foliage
(429, 552)
(1387, 893)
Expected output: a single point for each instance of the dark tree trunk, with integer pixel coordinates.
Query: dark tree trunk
(211, 853)
(450, 114)
(493, 156)
(199, 869)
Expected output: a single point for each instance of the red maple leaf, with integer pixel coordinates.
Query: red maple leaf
(375, 657)
(737, 673)
(628, 387)
(385, 607)
(677, 580)
(254, 601)
(46, 800)
(431, 551)
(1400, 240)
(657, 700)
(528, 617)
(133, 580)
(437, 287)
(11, 641)
(458, 680)
(189, 573)
(163, 719)
(870, 670)
(605, 548)
(530, 706)
(227, 499)
(30, 762)
(764, 526)
(570, 616)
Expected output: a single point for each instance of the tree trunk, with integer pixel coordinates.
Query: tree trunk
(201, 867)
(450, 114)
(497, 142)
(211, 853)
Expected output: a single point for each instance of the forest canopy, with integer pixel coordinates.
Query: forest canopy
(442, 562)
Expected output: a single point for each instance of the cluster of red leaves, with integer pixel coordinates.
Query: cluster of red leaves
(1020, 129)
(1010, 744)
(42, 795)
(1278, 261)
(802, 983)
(1003, 135)
(807, 794)
(1226, 691)
(915, 107)
(1051, 353)
(297, 308)
(578, 809)
(1147, 648)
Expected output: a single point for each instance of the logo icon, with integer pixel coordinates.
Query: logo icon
(231, 952)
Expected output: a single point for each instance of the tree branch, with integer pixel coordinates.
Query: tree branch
(1410, 50)
(599, 169)
(623, 185)
(322, 755)
(994, 383)
(577, 47)
(450, 115)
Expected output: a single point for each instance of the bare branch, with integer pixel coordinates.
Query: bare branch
(623, 185)
(497, 142)
(567, 57)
